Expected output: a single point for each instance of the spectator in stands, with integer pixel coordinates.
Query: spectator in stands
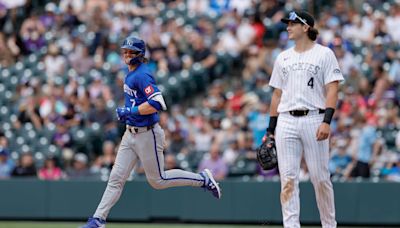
(257, 122)
(79, 167)
(366, 154)
(178, 143)
(62, 137)
(214, 162)
(391, 172)
(106, 159)
(215, 99)
(50, 170)
(174, 61)
(32, 33)
(6, 56)
(48, 19)
(54, 62)
(3, 140)
(28, 113)
(203, 138)
(339, 164)
(201, 54)
(81, 61)
(101, 115)
(6, 164)
(25, 167)
(230, 154)
(99, 89)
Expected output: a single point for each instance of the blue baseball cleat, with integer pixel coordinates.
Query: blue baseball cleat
(95, 223)
(210, 184)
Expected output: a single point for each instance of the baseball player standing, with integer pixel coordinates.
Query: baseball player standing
(305, 79)
(144, 138)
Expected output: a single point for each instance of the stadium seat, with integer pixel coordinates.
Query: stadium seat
(242, 167)
(187, 82)
(200, 76)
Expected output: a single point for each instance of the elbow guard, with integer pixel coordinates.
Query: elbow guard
(158, 102)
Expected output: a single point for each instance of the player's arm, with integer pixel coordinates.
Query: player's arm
(330, 105)
(273, 112)
(331, 94)
(276, 99)
(154, 104)
(146, 109)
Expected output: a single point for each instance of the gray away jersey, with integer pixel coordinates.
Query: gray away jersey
(302, 77)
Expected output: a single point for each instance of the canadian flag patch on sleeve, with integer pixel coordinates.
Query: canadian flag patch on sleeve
(148, 90)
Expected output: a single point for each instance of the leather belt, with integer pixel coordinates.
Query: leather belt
(137, 130)
(304, 112)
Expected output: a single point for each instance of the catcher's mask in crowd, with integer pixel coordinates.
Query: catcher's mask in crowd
(299, 17)
(135, 44)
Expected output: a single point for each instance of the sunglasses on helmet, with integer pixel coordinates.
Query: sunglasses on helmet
(293, 16)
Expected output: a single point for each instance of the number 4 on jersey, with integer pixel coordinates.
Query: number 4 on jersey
(311, 82)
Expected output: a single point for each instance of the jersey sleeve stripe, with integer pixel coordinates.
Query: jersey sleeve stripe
(152, 95)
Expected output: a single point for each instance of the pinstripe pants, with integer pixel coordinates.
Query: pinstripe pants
(295, 136)
(148, 147)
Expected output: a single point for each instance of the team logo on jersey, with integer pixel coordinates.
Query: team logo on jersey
(336, 71)
(301, 66)
(148, 90)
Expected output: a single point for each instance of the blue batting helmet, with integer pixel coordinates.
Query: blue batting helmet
(135, 44)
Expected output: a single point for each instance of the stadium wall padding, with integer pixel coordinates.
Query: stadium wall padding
(242, 202)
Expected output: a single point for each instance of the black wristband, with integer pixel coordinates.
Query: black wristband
(273, 120)
(328, 115)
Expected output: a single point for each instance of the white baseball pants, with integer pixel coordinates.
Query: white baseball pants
(295, 135)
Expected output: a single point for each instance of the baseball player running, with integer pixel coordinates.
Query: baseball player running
(144, 138)
(305, 79)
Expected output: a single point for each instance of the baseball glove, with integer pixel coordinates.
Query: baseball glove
(266, 154)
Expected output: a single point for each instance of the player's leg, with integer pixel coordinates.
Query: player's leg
(316, 155)
(289, 151)
(124, 163)
(150, 151)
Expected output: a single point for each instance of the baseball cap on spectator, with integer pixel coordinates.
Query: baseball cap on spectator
(299, 17)
(80, 157)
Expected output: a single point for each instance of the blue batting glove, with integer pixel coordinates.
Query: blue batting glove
(124, 112)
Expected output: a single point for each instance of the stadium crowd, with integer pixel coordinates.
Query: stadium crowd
(62, 77)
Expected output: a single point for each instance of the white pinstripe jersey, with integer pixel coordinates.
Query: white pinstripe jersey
(302, 77)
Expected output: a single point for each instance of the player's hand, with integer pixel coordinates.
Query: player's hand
(122, 113)
(323, 131)
(267, 136)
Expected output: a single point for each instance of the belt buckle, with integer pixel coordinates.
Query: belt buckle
(305, 112)
(136, 130)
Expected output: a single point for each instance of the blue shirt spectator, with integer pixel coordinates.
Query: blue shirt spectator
(6, 164)
(366, 142)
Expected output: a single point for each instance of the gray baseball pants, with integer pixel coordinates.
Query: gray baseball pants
(148, 148)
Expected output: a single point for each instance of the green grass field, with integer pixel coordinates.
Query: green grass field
(12, 224)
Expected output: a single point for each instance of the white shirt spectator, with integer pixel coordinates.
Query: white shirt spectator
(393, 23)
